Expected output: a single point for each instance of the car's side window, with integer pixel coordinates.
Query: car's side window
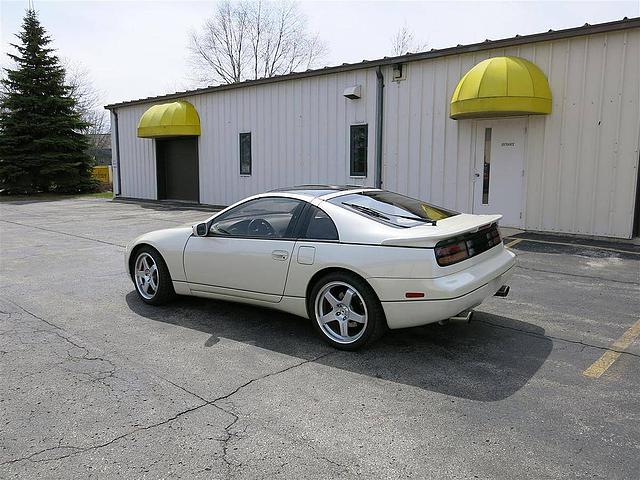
(320, 226)
(270, 217)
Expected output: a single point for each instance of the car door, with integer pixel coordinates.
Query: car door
(247, 250)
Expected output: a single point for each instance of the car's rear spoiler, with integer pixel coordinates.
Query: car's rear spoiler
(429, 235)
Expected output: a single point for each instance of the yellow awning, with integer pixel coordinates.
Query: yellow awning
(169, 120)
(501, 86)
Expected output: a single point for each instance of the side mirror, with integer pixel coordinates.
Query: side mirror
(200, 229)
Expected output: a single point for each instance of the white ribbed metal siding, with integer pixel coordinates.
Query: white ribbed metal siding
(137, 156)
(581, 161)
(299, 134)
(426, 154)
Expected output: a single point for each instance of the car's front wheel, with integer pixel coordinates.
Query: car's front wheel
(346, 311)
(151, 277)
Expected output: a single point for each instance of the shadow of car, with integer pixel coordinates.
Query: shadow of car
(487, 360)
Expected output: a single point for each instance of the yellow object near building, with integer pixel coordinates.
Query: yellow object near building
(172, 119)
(501, 86)
(102, 173)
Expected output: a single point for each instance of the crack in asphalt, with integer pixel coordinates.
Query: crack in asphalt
(227, 429)
(560, 339)
(332, 462)
(58, 334)
(235, 417)
(64, 233)
(183, 388)
(77, 450)
(98, 376)
(31, 313)
(262, 377)
(227, 440)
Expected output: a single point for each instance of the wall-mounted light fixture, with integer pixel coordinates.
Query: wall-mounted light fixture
(399, 72)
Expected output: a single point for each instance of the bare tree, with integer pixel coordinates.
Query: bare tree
(404, 42)
(3, 88)
(249, 40)
(89, 104)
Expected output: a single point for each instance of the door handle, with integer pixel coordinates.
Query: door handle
(280, 255)
(477, 175)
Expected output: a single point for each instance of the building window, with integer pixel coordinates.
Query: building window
(358, 150)
(245, 153)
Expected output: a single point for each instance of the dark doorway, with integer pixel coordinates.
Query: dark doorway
(177, 167)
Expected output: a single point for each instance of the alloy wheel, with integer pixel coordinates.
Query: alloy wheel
(341, 312)
(146, 276)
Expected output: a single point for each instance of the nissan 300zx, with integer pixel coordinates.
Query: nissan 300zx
(355, 261)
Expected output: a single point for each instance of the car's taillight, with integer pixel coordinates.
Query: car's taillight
(453, 253)
(455, 250)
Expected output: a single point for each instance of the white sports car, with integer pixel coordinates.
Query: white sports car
(356, 261)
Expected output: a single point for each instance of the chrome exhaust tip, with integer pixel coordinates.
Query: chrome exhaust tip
(464, 316)
(503, 291)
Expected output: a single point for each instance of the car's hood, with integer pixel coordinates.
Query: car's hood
(429, 235)
(168, 232)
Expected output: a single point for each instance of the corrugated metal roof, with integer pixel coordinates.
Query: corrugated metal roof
(586, 29)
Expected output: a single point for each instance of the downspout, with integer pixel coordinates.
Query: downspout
(635, 229)
(377, 177)
(117, 152)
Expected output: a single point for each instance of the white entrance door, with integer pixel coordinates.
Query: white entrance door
(499, 169)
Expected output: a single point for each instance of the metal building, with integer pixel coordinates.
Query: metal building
(542, 128)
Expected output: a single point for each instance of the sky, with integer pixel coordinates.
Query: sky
(136, 49)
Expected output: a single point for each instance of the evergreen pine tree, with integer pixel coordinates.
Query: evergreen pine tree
(41, 144)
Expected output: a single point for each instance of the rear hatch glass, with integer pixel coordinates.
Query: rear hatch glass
(392, 208)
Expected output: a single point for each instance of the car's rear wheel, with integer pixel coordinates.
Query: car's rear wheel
(151, 277)
(345, 311)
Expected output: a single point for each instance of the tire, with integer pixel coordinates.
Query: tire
(360, 316)
(153, 285)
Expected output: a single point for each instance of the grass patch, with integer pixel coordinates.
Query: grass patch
(97, 195)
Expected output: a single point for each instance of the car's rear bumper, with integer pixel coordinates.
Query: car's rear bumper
(445, 296)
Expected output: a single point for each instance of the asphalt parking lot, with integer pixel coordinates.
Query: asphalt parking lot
(94, 383)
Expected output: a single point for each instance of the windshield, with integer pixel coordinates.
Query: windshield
(392, 208)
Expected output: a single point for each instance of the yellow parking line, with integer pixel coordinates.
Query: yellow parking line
(606, 360)
(513, 242)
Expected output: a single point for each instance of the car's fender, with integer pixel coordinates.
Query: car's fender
(170, 243)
